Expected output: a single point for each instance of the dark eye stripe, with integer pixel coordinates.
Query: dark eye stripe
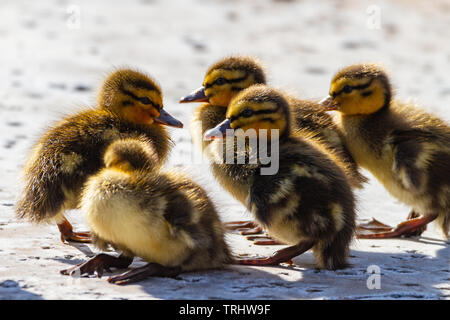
(209, 85)
(145, 100)
(156, 106)
(360, 87)
(135, 97)
(255, 113)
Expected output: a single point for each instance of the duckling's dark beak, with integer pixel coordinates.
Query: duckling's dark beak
(328, 103)
(218, 131)
(166, 119)
(195, 96)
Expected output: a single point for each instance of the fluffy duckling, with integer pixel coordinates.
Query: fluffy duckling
(308, 202)
(129, 103)
(405, 148)
(223, 81)
(226, 78)
(163, 217)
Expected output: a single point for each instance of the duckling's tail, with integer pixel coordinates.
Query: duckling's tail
(332, 253)
(42, 199)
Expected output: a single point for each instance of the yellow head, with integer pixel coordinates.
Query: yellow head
(227, 78)
(257, 107)
(359, 89)
(135, 97)
(131, 154)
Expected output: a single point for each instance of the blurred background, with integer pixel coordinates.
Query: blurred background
(55, 53)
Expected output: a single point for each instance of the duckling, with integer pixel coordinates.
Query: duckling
(129, 103)
(227, 77)
(224, 80)
(308, 202)
(163, 217)
(405, 148)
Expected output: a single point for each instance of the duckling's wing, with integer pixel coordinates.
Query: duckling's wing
(416, 151)
(416, 134)
(263, 196)
(311, 120)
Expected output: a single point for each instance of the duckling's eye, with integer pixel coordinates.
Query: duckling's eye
(220, 81)
(347, 89)
(247, 113)
(145, 100)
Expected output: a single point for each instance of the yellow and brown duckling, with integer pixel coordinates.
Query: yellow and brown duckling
(162, 217)
(307, 203)
(405, 148)
(227, 77)
(129, 103)
(223, 81)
